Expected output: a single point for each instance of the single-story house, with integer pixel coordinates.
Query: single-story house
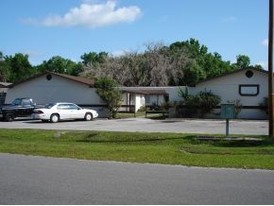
(51, 87)
(248, 88)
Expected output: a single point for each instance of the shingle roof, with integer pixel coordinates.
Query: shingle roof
(83, 80)
(147, 91)
(89, 82)
(4, 84)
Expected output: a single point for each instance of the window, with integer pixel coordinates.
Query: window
(26, 102)
(49, 77)
(73, 107)
(249, 89)
(62, 106)
(147, 99)
(249, 74)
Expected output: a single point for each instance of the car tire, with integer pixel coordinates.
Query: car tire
(88, 117)
(54, 118)
(9, 117)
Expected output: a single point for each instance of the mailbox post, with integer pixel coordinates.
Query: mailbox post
(227, 113)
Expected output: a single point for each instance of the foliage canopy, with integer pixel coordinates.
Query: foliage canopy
(180, 63)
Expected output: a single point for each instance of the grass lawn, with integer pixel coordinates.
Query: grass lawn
(163, 148)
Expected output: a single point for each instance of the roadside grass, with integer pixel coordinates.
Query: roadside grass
(162, 148)
(121, 115)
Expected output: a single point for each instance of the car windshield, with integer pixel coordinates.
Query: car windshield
(17, 101)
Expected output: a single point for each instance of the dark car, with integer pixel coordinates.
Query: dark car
(19, 107)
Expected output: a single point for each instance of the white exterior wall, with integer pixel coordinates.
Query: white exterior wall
(58, 89)
(173, 93)
(139, 101)
(227, 87)
(134, 96)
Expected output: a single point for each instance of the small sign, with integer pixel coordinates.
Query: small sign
(227, 111)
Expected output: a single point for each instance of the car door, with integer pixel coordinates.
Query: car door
(63, 111)
(26, 107)
(75, 111)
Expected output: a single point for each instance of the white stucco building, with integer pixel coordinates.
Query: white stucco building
(248, 87)
(53, 87)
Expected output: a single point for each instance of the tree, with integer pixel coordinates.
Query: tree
(242, 61)
(133, 66)
(108, 90)
(93, 58)
(157, 66)
(19, 66)
(193, 73)
(180, 63)
(4, 69)
(60, 65)
(192, 47)
(214, 65)
(201, 64)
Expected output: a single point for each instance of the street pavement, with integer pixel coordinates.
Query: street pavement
(204, 126)
(27, 180)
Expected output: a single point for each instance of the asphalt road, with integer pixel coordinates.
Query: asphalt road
(249, 127)
(42, 180)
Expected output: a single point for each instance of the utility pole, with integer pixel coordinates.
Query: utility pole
(270, 69)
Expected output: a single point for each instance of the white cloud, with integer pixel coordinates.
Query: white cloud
(265, 42)
(91, 15)
(119, 53)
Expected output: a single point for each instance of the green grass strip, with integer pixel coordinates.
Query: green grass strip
(163, 148)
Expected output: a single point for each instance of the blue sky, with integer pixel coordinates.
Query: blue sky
(69, 28)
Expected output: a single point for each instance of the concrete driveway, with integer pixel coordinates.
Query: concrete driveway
(204, 126)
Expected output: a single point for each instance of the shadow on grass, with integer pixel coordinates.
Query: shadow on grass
(96, 140)
(233, 141)
(217, 141)
(221, 146)
(120, 137)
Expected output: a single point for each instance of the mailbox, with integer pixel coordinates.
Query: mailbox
(227, 111)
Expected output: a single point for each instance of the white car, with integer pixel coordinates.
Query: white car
(63, 111)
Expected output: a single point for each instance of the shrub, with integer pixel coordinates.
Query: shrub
(208, 101)
(107, 89)
(198, 105)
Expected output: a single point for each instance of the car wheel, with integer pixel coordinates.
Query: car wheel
(54, 118)
(88, 117)
(9, 117)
